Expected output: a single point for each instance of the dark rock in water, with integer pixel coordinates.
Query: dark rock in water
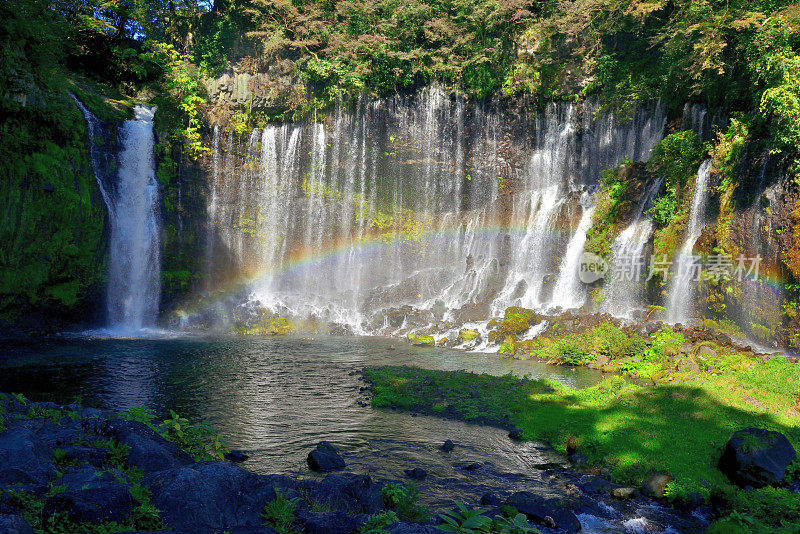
(325, 458)
(515, 433)
(756, 457)
(655, 484)
(94, 502)
(148, 451)
(236, 456)
(623, 494)
(331, 523)
(348, 492)
(597, 485)
(490, 499)
(468, 466)
(14, 524)
(416, 474)
(448, 446)
(540, 509)
(412, 528)
(209, 496)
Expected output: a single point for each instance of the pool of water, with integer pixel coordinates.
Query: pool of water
(278, 397)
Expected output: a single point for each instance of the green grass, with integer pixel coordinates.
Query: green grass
(679, 427)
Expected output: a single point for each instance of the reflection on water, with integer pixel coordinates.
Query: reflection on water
(278, 397)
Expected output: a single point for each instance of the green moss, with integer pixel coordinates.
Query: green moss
(466, 335)
(421, 340)
(516, 321)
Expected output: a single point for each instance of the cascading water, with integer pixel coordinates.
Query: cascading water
(569, 292)
(624, 292)
(682, 287)
(131, 197)
(408, 210)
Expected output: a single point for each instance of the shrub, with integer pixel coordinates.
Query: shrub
(279, 513)
(403, 500)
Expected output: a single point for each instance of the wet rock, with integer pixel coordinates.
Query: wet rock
(515, 433)
(218, 495)
(490, 499)
(468, 466)
(14, 524)
(325, 458)
(447, 446)
(416, 473)
(465, 335)
(236, 456)
(597, 485)
(756, 457)
(348, 492)
(83, 476)
(655, 484)
(578, 459)
(539, 509)
(251, 530)
(623, 494)
(93, 502)
(331, 523)
(148, 451)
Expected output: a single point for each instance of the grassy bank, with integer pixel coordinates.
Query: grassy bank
(627, 429)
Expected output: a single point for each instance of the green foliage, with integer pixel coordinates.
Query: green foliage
(676, 158)
(386, 45)
(198, 439)
(465, 521)
(279, 513)
(612, 201)
(403, 500)
(377, 523)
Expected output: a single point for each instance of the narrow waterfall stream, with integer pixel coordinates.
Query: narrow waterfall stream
(624, 292)
(682, 287)
(569, 292)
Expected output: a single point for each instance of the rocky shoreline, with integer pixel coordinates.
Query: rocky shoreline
(77, 469)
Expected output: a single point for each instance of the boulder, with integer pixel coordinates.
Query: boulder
(416, 473)
(331, 523)
(655, 484)
(93, 503)
(24, 458)
(348, 492)
(447, 446)
(756, 457)
(706, 352)
(490, 499)
(96, 456)
(236, 456)
(14, 524)
(148, 450)
(688, 365)
(209, 497)
(623, 494)
(515, 433)
(545, 511)
(325, 458)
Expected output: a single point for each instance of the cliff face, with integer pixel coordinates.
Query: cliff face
(53, 222)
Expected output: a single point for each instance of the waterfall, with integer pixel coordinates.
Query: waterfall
(569, 292)
(413, 209)
(131, 197)
(624, 292)
(134, 283)
(682, 288)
